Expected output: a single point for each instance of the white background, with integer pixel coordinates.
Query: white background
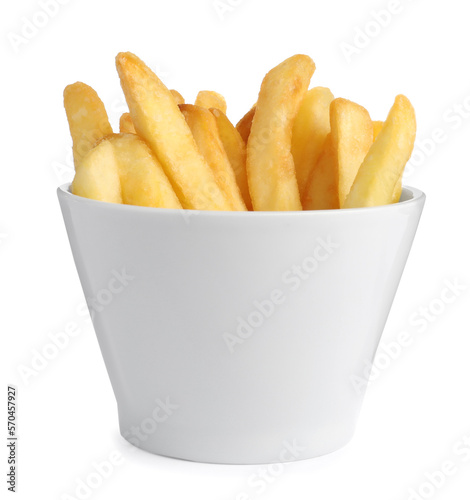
(417, 408)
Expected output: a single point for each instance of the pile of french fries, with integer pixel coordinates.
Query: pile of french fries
(295, 149)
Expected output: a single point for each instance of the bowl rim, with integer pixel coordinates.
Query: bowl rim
(414, 196)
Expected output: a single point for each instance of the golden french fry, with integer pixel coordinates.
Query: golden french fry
(384, 164)
(349, 141)
(97, 175)
(378, 125)
(311, 126)
(321, 192)
(178, 97)
(125, 124)
(235, 148)
(158, 120)
(142, 179)
(244, 125)
(270, 166)
(87, 118)
(210, 99)
(203, 126)
(352, 134)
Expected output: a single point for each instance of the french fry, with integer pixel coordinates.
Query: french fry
(352, 133)
(125, 124)
(311, 126)
(384, 164)
(210, 99)
(244, 125)
(142, 179)
(158, 120)
(378, 125)
(203, 126)
(350, 139)
(322, 192)
(178, 97)
(87, 117)
(97, 175)
(235, 148)
(270, 166)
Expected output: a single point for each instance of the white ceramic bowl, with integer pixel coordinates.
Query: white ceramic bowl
(235, 337)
